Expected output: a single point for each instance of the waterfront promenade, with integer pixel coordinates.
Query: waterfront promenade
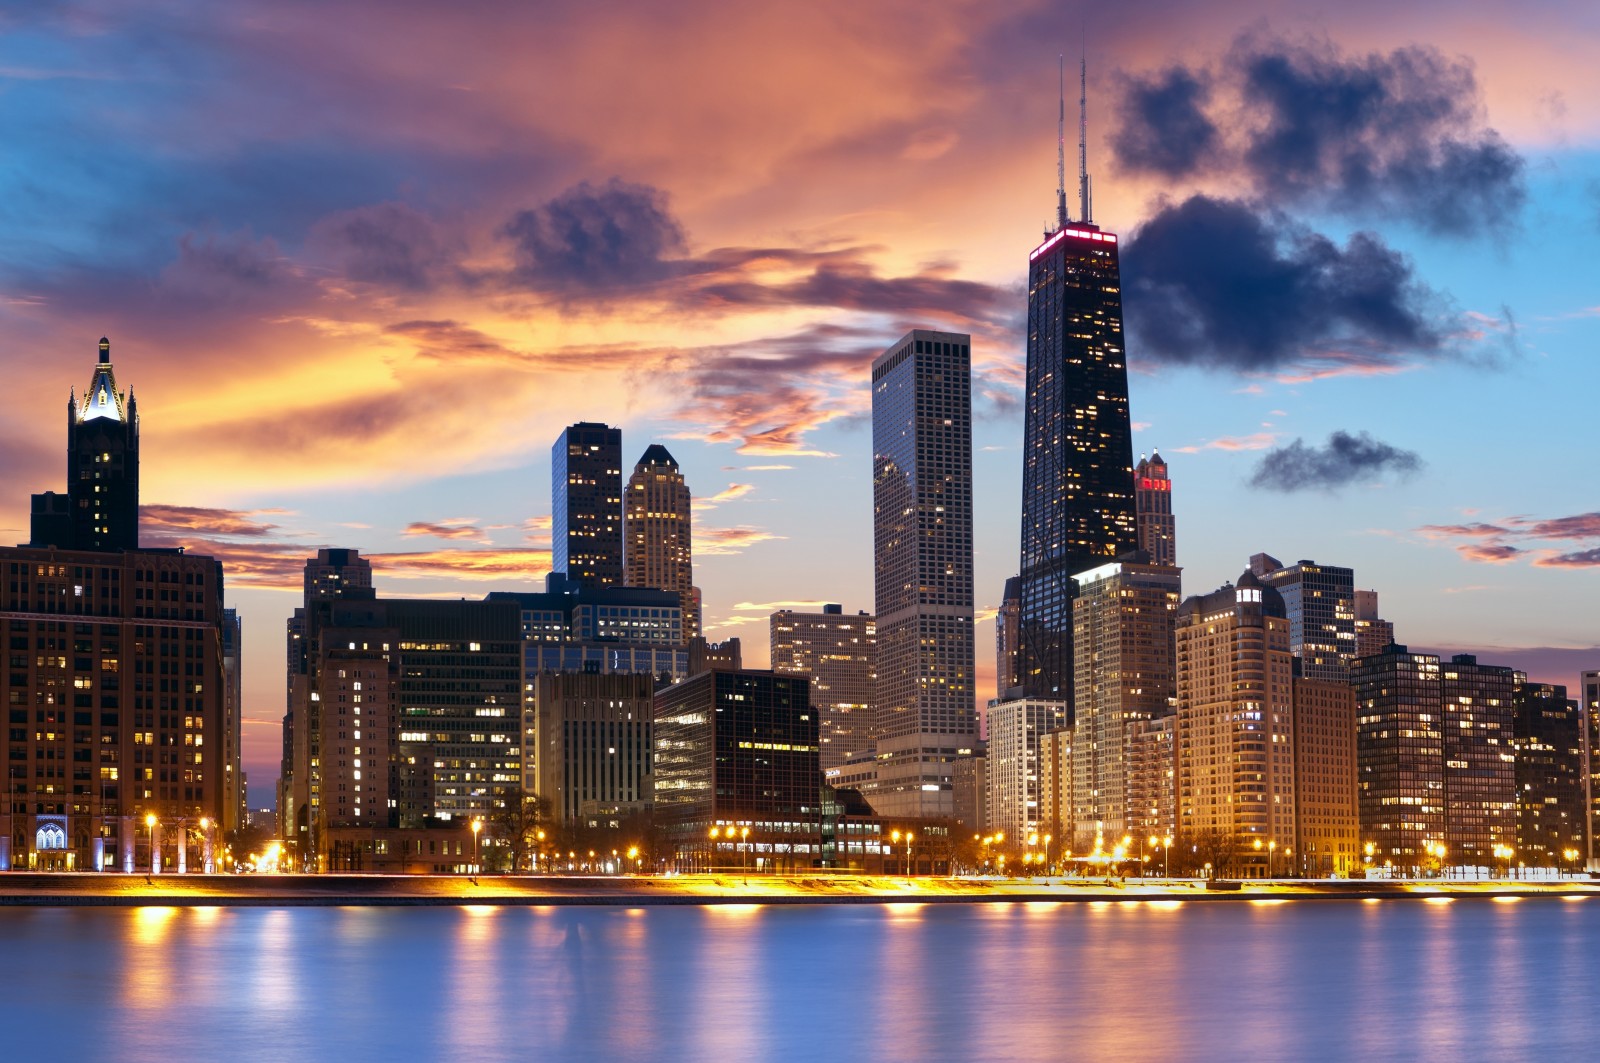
(117, 890)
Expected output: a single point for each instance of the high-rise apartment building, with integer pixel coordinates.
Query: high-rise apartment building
(1152, 497)
(1328, 826)
(1077, 449)
(840, 655)
(100, 508)
(1320, 600)
(1480, 763)
(922, 502)
(121, 698)
(657, 534)
(1055, 786)
(1153, 778)
(1373, 633)
(1017, 730)
(1235, 724)
(1124, 673)
(1551, 776)
(737, 751)
(1589, 710)
(586, 504)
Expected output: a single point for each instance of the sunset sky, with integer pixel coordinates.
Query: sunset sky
(361, 263)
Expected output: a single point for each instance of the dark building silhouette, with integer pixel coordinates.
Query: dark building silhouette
(586, 504)
(100, 509)
(1548, 736)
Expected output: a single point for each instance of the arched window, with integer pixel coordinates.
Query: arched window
(50, 836)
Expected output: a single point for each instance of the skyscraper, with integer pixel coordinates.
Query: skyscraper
(840, 654)
(1005, 638)
(1152, 497)
(657, 538)
(1320, 600)
(922, 530)
(1550, 775)
(1327, 823)
(586, 504)
(1077, 447)
(100, 510)
(1373, 632)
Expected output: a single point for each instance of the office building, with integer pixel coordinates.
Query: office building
(922, 502)
(1017, 728)
(657, 537)
(1373, 633)
(120, 692)
(969, 790)
(1328, 828)
(578, 627)
(590, 745)
(736, 750)
(1005, 639)
(100, 508)
(1547, 735)
(1235, 731)
(1320, 600)
(1480, 770)
(1123, 619)
(840, 655)
(586, 504)
(1152, 498)
(1589, 710)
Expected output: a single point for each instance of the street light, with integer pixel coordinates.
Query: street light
(477, 825)
(910, 837)
(155, 854)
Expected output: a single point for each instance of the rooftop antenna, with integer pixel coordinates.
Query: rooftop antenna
(1083, 140)
(1061, 145)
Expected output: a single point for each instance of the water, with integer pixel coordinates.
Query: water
(1196, 981)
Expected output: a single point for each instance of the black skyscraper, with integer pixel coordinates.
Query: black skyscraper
(586, 497)
(100, 510)
(1077, 471)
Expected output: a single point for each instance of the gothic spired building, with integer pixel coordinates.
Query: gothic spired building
(100, 510)
(1077, 472)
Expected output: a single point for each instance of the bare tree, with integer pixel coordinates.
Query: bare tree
(518, 817)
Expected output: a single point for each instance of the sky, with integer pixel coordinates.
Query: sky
(361, 263)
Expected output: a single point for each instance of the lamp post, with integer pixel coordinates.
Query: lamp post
(477, 825)
(744, 839)
(910, 837)
(155, 854)
(207, 859)
(1166, 856)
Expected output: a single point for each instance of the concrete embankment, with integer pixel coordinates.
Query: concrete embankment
(112, 890)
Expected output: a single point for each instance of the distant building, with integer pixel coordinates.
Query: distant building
(704, 656)
(1152, 497)
(576, 627)
(840, 655)
(970, 791)
(1016, 729)
(1005, 639)
(1328, 824)
(1373, 633)
(1235, 724)
(1153, 778)
(657, 534)
(736, 750)
(922, 534)
(1589, 708)
(1480, 762)
(1551, 776)
(1055, 786)
(1125, 674)
(1320, 602)
(586, 504)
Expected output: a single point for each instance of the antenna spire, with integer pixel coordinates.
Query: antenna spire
(1061, 145)
(1083, 140)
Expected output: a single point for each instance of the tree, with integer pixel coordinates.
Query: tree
(517, 818)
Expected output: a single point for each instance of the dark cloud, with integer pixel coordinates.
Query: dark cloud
(1579, 526)
(1217, 283)
(229, 269)
(854, 285)
(1345, 459)
(1161, 124)
(596, 237)
(1393, 136)
(388, 244)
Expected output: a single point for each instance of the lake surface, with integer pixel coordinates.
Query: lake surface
(1197, 981)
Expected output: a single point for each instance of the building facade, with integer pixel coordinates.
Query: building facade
(591, 742)
(586, 504)
(1005, 639)
(1055, 786)
(738, 749)
(657, 533)
(1320, 601)
(1077, 472)
(1551, 776)
(922, 503)
(1124, 674)
(1235, 731)
(1480, 763)
(1017, 728)
(1328, 824)
(1399, 754)
(1152, 498)
(840, 655)
(1373, 633)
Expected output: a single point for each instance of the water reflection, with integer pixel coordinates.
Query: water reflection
(1153, 981)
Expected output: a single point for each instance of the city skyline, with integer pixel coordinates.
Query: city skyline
(364, 338)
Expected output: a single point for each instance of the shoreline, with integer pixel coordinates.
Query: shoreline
(75, 890)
